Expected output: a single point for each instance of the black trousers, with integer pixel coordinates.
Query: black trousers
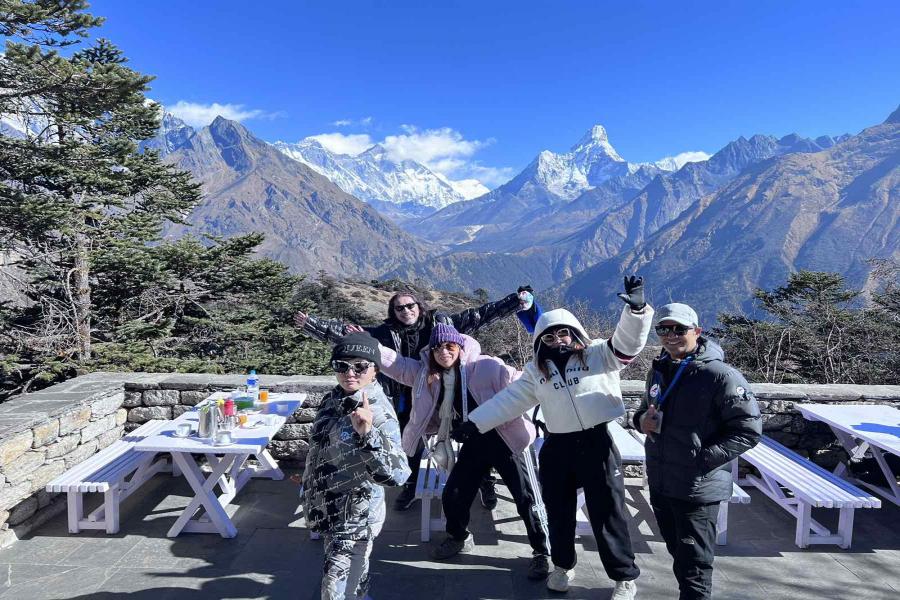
(476, 457)
(689, 530)
(587, 459)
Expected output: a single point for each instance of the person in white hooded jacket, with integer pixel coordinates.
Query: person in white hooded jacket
(576, 382)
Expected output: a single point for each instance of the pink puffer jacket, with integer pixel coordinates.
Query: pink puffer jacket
(483, 376)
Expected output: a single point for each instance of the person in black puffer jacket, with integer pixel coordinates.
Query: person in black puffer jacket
(699, 414)
(407, 330)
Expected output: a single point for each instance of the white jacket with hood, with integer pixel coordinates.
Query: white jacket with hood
(586, 394)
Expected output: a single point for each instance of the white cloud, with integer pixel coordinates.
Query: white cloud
(365, 121)
(339, 143)
(673, 163)
(201, 115)
(444, 150)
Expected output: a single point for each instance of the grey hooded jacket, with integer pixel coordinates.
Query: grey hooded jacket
(344, 471)
(709, 418)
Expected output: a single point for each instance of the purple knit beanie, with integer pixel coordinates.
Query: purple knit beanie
(445, 333)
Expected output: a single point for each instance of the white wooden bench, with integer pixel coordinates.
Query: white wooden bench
(798, 485)
(429, 486)
(108, 472)
(630, 444)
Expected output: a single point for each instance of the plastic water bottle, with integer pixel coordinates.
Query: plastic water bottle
(253, 385)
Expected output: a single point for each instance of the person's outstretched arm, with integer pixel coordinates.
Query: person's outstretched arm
(323, 330)
(473, 319)
(398, 367)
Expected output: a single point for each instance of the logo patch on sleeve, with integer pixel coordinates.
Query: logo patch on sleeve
(654, 390)
(740, 390)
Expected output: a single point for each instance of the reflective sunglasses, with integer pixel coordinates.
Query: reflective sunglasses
(448, 346)
(342, 366)
(664, 330)
(409, 307)
(559, 334)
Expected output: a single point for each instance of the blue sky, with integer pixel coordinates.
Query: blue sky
(477, 89)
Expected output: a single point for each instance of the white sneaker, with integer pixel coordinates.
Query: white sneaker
(625, 590)
(559, 579)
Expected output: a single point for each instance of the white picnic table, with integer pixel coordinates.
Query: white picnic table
(861, 428)
(230, 470)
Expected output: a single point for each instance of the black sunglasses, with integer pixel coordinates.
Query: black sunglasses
(664, 330)
(409, 307)
(342, 366)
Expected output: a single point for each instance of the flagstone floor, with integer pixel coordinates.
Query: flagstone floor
(273, 557)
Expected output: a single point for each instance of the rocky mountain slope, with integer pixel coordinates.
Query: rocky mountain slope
(829, 210)
(310, 224)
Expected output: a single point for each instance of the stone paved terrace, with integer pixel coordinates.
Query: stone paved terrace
(273, 557)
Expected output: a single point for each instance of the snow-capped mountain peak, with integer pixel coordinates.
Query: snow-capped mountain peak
(374, 177)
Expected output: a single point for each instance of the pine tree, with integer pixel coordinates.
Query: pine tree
(73, 188)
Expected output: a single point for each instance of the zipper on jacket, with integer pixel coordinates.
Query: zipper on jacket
(562, 376)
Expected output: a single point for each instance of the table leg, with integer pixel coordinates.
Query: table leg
(857, 450)
(268, 467)
(205, 497)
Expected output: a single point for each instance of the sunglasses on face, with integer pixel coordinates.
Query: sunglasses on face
(448, 346)
(559, 334)
(664, 330)
(342, 366)
(401, 307)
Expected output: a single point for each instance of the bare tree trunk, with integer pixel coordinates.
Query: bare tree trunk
(82, 298)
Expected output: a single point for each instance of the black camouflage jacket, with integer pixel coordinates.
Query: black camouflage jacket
(344, 471)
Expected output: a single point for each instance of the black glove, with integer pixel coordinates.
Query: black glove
(525, 288)
(464, 431)
(634, 293)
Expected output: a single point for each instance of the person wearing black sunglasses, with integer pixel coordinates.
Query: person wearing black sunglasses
(354, 451)
(699, 414)
(407, 330)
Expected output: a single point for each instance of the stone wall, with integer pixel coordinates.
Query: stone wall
(45, 433)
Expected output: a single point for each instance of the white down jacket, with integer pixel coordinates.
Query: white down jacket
(586, 394)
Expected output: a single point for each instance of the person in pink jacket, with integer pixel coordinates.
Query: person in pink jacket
(450, 379)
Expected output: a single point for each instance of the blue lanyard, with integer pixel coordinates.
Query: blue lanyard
(678, 373)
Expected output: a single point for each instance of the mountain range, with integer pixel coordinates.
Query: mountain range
(707, 233)
(309, 222)
(399, 189)
(830, 210)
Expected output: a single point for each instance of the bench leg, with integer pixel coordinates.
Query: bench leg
(426, 519)
(722, 524)
(845, 527)
(111, 506)
(804, 519)
(75, 502)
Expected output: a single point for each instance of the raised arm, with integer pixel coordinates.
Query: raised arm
(398, 367)
(472, 319)
(323, 330)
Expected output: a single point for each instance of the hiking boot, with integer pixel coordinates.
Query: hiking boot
(406, 498)
(539, 567)
(559, 579)
(488, 494)
(625, 590)
(451, 547)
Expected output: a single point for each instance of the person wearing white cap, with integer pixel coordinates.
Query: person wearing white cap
(576, 382)
(699, 414)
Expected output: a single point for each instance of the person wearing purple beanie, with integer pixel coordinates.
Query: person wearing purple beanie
(450, 379)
